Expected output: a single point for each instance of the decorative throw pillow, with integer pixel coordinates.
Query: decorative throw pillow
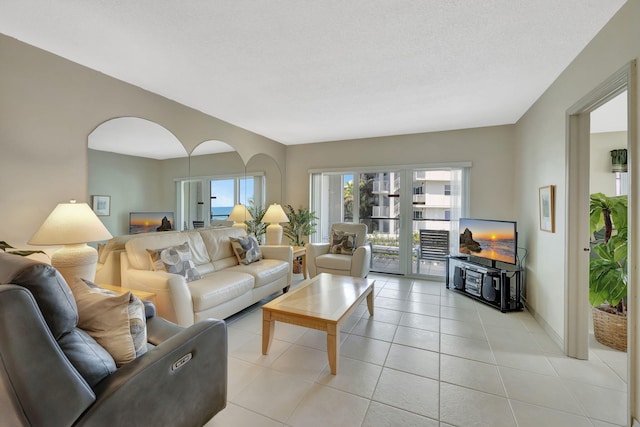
(116, 322)
(246, 249)
(342, 242)
(174, 259)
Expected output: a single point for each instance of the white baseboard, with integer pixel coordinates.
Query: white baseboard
(636, 423)
(548, 329)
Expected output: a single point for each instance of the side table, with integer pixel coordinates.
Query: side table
(301, 252)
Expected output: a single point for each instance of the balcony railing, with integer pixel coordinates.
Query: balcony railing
(432, 200)
(381, 211)
(381, 187)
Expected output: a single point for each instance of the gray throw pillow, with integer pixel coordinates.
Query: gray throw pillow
(246, 249)
(342, 242)
(176, 260)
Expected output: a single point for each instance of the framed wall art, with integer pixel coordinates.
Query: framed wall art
(547, 208)
(101, 205)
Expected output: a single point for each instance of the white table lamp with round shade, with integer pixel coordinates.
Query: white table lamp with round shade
(239, 214)
(274, 216)
(72, 225)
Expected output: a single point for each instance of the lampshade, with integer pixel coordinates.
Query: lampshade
(72, 225)
(239, 214)
(274, 215)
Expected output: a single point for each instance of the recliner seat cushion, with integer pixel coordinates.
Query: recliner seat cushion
(334, 262)
(48, 287)
(58, 307)
(218, 288)
(89, 358)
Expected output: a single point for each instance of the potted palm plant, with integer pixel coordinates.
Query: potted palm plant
(608, 269)
(256, 226)
(302, 223)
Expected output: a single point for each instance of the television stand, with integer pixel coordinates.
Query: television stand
(497, 287)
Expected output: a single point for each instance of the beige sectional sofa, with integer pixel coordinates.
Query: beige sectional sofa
(225, 286)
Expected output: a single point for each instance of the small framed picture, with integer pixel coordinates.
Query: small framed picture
(102, 205)
(547, 208)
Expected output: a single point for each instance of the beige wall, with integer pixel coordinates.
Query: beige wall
(49, 106)
(541, 160)
(489, 149)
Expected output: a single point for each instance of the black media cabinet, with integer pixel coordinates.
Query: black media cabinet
(497, 287)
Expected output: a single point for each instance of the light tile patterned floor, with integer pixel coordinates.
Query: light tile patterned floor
(428, 357)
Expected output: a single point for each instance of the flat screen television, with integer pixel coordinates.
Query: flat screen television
(489, 239)
(148, 222)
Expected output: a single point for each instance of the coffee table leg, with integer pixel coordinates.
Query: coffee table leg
(333, 347)
(268, 327)
(370, 301)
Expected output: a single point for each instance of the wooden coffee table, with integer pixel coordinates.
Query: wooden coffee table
(322, 303)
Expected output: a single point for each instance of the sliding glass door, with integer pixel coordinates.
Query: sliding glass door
(411, 213)
(437, 206)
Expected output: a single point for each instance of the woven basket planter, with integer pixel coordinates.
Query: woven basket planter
(297, 266)
(610, 329)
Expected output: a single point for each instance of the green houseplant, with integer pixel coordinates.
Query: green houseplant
(302, 223)
(256, 226)
(608, 269)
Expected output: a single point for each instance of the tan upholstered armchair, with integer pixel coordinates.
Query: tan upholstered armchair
(346, 254)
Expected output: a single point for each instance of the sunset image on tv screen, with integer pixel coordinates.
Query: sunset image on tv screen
(494, 240)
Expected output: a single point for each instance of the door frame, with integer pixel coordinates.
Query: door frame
(576, 328)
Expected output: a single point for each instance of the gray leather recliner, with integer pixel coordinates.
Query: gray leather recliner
(54, 374)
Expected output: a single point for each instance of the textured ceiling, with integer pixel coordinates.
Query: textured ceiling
(301, 71)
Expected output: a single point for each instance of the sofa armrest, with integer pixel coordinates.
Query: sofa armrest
(110, 271)
(159, 330)
(173, 296)
(283, 253)
(314, 250)
(361, 261)
(182, 382)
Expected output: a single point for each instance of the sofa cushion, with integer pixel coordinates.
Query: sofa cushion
(110, 319)
(246, 249)
(334, 262)
(199, 253)
(265, 271)
(219, 287)
(137, 248)
(218, 244)
(174, 259)
(47, 286)
(342, 242)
